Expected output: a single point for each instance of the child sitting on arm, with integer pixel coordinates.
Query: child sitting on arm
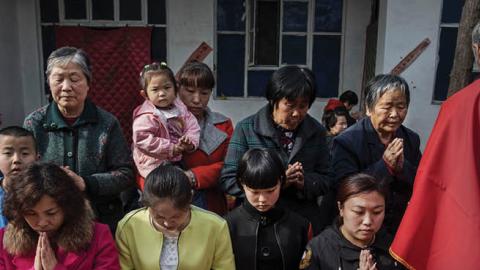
(163, 128)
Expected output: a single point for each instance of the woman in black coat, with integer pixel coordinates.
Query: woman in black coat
(356, 240)
(381, 146)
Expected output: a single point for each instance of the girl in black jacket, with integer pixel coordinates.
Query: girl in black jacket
(356, 240)
(265, 236)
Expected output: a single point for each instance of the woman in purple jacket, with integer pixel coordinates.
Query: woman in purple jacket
(51, 225)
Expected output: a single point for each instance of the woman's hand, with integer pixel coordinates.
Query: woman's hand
(400, 161)
(393, 154)
(44, 256)
(76, 178)
(294, 175)
(49, 261)
(37, 265)
(366, 261)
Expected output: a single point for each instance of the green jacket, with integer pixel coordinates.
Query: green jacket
(94, 147)
(203, 245)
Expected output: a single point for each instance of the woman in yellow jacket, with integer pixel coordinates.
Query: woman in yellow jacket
(169, 233)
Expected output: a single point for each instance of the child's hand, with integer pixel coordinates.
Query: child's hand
(76, 178)
(178, 149)
(187, 143)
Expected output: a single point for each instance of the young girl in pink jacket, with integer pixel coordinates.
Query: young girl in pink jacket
(163, 128)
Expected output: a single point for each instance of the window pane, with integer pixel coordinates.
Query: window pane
(130, 10)
(295, 15)
(156, 12)
(452, 11)
(230, 65)
(328, 15)
(49, 10)
(326, 64)
(231, 15)
(266, 36)
(294, 50)
(159, 44)
(102, 9)
(257, 81)
(75, 9)
(446, 53)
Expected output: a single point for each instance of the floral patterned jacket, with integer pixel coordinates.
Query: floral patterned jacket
(93, 147)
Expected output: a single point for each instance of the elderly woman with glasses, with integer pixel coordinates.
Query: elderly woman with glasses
(381, 146)
(85, 140)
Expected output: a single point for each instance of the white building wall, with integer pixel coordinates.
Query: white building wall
(197, 23)
(20, 67)
(404, 24)
(11, 95)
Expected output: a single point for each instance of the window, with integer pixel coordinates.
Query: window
(256, 37)
(104, 14)
(117, 52)
(451, 13)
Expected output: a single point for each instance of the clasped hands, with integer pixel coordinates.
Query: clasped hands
(44, 256)
(393, 155)
(294, 175)
(366, 261)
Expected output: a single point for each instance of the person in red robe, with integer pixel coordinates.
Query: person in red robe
(441, 226)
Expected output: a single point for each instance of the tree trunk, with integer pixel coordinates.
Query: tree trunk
(463, 61)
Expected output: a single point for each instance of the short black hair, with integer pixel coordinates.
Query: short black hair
(329, 118)
(17, 132)
(260, 169)
(350, 97)
(291, 82)
(167, 182)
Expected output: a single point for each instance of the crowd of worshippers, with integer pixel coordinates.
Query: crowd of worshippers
(278, 191)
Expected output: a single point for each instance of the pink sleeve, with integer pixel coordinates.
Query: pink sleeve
(59, 266)
(106, 254)
(151, 137)
(192, 129)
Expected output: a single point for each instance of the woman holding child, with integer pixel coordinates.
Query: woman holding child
(87, 141)
(51, 225)
(205, 164)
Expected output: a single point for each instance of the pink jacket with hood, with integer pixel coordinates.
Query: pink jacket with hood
(151, 141)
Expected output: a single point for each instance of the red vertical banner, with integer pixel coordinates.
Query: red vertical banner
(441, 226)
(117, 56)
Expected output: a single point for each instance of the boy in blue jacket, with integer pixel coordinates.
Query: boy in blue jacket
(17, 150)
